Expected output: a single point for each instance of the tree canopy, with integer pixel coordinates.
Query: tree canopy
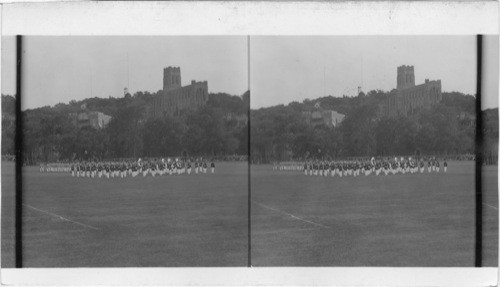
(281, 132)
(221, 128)
(50, 135)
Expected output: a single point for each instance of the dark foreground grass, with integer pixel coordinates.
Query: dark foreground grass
(403, 220)
(154, 221)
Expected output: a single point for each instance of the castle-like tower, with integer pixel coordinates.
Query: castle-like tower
(171, 78)
(406, 77)
(408, 97)
(176, 98)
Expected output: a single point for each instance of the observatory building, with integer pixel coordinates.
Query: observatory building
(409, 97)
(175, 97)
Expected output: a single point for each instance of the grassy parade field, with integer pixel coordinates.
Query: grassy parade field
(395, 220)
(297, 220)
(197, 220)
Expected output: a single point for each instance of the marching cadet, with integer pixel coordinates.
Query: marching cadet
(168, 167)
(421, 166)
(445, 165)
(94, 169)
(196, 166)
(212, 166)
(189, 167)
(112, 169)
(116, 169)
(119, 170)
(99, 170)
(73, 170)
(204, 166)
(176, 166)
(305, 168)
(153, 168)
(107, 169)
(387, 167)
(395, 167)
(367, 169)
(144, 169)
(429, 166)
(162, 167)
(138, 168)
(437, 166)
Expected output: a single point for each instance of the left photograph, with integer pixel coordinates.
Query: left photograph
(135, 151)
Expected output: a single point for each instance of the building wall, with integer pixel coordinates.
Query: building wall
(171, 78)
(328, 118)
(176, 98)
(409, 97)
(337, 118)
(406, 77)
(96, 120)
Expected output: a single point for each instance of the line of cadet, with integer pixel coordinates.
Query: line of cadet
(153, 167)
(374, 166)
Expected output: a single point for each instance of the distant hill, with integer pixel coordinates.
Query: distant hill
(8, 105)
(219, 128)
(277, 133)
(490, 135)
(281, 132)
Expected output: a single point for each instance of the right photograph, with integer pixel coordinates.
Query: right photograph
(363, 151)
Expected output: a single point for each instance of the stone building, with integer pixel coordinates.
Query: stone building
(320, 117)
(96, 120)
(408, 97)
(175, 97)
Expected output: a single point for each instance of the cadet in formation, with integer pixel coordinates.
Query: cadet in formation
(129, 168)
(386, 166)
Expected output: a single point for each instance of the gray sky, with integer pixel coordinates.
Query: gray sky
(60, 69)
(283, 69)
(293, 68)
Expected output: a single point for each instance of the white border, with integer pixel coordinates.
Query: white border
(242, 276)
(251, 18)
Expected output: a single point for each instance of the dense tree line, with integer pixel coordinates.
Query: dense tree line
(277, 133)
(490, 136)
(281, 132)
(50, 135)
